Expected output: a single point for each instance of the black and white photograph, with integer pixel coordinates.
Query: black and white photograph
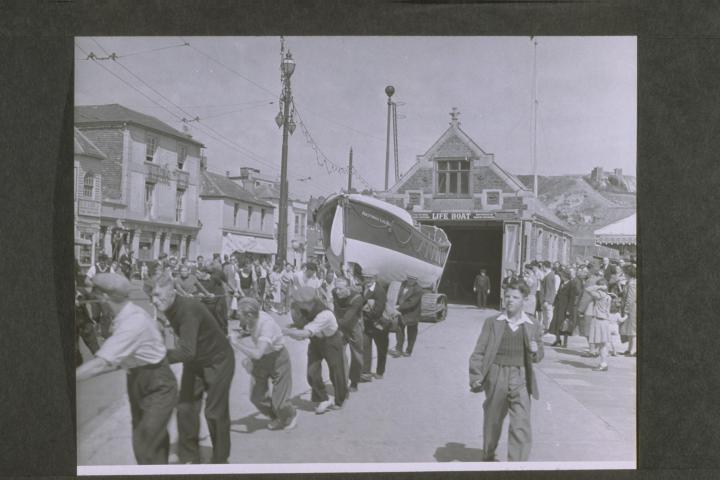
(310, 254)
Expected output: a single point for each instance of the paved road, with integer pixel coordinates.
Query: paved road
(422, 411)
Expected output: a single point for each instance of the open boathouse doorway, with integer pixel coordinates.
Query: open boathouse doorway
(474, 247)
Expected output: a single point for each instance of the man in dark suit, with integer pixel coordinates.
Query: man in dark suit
(481, 287)
(374, 297)
(547, 294)
(501, 366)
(409, 303)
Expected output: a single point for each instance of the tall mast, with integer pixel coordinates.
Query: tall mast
(534, 110)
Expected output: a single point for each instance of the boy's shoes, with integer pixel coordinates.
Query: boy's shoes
(292, 423)
(323, 407)
(275, 424)
(600, 368)
(366, 377)
(378, 376)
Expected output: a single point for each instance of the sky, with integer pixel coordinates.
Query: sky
(586, 93)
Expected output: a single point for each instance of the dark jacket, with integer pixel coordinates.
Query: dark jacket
(374, 314)
(347, 312)
(487, 346)
(482, 283)
(409, 304)
(200, 341)
(547, 288)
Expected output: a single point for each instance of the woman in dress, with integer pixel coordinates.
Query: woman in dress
(599, 332)
(628, 329)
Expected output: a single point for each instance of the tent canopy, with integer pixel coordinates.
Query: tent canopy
(239, 243)
(622, 232)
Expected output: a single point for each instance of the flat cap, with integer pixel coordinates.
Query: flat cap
(113, 284)
(304, 294)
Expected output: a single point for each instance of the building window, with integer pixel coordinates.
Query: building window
(539, 246)
(182, 155)
(262, 219)
(85, 255)
(235, 214)
(453, 177)
(297, 224)
(150, 148)
(149, 198)
(300, 224)
(249, 219)
(88, 185)
(179, 196)
(492, 198)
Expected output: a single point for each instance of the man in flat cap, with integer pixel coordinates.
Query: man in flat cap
(409, 303)
(208, 367)
(375, 298)
(313, 320)
(136, 345)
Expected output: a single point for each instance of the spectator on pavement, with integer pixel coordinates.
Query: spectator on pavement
(501, 366)
(312, 320)
(137, 346)
(560, 323)
(267, 361)
(208, 367)
(628, 329)
(547, 294)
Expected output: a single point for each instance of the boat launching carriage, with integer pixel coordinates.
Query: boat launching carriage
(383, 240)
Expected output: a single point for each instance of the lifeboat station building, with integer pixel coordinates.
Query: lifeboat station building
(493, 220)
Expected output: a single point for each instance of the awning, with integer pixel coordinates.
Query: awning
(240, 243)
(621, 232)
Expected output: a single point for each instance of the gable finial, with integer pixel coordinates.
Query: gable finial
(454, 114)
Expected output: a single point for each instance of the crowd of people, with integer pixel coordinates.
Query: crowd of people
(596, 300)
(341, 314)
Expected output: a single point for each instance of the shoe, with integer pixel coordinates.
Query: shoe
(323, 407)
(613, 354)
(627, 353)
(556, 344)
(378, 376)
(600, 368)
(586, 355)
(292, 423)
(365, 378)
(275, 424)
(407, 354)
(395, 352)
(353, 388)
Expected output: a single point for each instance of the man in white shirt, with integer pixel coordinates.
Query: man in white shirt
(267, 360)
(137, 346)
(312, 320)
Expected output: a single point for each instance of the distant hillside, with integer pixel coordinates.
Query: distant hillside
(581, 205)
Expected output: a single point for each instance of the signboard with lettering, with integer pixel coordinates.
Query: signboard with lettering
(463, 216)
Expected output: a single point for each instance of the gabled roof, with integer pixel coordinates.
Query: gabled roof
(623, 227)
(114, 113)
(541, 210)
(215, 185)
(83, 146)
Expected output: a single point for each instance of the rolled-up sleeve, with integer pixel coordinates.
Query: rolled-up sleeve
(122, 343)
(323, 325)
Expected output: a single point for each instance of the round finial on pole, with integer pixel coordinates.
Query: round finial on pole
(389, 91)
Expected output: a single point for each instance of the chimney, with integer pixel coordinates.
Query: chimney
(618, 172)
(227, 173)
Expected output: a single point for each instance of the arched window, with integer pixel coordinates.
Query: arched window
(88, 185)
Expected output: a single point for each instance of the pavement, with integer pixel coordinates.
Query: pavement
(421, 412)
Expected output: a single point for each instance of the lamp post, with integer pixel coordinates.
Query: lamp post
(284, 119)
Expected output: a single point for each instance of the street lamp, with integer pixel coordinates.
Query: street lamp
(284, 120)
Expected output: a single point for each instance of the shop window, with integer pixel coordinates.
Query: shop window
(179, 197)
(150, 148)
(453, 177)
(88, 185)
(85, 253)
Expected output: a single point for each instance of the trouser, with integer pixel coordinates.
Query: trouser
(381, 339)
(412, 331)
(481, 298)
(215, 381)
(547, 314)
(354, 367)
(153, 394)
(329, 349)
(506, 390)
(273, 367)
